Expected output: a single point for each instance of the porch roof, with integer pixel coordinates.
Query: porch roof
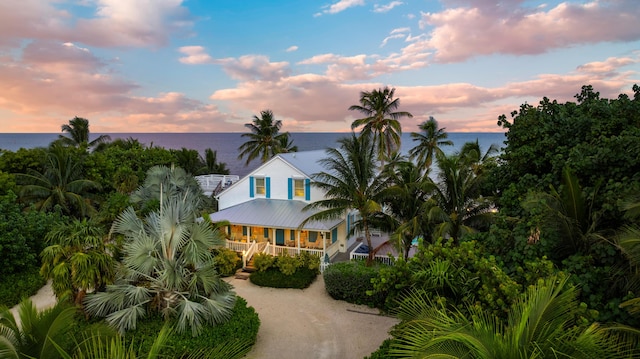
(272, 213)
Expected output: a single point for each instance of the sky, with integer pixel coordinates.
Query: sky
(132, 66)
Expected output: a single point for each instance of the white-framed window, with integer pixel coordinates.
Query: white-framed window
(261, 187)
(298, 187)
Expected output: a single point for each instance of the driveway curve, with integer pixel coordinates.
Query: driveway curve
(308, 323)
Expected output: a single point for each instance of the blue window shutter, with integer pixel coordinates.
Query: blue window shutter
(267, 183)
(307, 189)
(244, 230)
(290, 189)
(334, 235)
(292, 235)
(313, 236)
(251, 185)
(266, 233)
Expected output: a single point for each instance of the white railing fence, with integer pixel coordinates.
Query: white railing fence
(246, 255)
(354, 255)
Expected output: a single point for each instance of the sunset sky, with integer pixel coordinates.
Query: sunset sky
(209, 66)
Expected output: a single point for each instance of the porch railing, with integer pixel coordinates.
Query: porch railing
(237, 246)
(363, 256)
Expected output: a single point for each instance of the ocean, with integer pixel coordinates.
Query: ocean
(226, 144)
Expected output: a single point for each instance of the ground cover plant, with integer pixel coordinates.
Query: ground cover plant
(351, 281)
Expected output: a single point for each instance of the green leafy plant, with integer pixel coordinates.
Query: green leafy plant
(351, 282)
(288, 264)
(263, 261)
(226, 261)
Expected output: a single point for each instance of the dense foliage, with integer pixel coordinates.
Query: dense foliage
(17, 286)
(350, 281)
(284, 271)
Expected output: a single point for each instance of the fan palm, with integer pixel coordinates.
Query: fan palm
(381, 120)
(350, 182)
(34, 334)
(78, 259)
(429, 142)
(78, 130)
(168, 268)
(541, 324)
(60, 184)
(265, 139)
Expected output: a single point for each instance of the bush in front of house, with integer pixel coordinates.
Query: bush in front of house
(227, 261)
(285, 271)
(242, 327)
(350, 281)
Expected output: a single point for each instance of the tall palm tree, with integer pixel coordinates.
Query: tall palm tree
(60, 183)
(78, 259)
(286, 144)
(168, 267)
(78, 130)
(265, 139)
(457, 204)
(37, 334)
(542, 324)
(429, 142)
(350, 182)
(381, 120)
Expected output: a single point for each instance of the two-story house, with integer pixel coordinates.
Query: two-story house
(266, 208)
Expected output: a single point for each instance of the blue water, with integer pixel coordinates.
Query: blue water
(226, 144)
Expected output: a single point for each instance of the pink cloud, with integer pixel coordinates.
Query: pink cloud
(116, 23)
(340, 6)
(509, 28)
(195, 55)
(254, 67)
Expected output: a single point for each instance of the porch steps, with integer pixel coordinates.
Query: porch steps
(244, 273)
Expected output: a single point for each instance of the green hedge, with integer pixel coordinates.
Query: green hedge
(242, 327)
(350, 281)
(17, 286)
(273, 277)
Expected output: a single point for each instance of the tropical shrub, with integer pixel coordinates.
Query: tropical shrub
(242, 327)
(274, 278)
(288, 264)
(351, 282)
(460, 273)
(227, 261)
(17, 286)
(263, 261)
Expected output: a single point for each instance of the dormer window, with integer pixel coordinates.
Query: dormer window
(298, 190)
(261, 188)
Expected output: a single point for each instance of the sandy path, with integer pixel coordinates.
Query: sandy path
(308, 323)
(298, 323)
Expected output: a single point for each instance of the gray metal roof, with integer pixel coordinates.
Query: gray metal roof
(305, 161)
(273, 213)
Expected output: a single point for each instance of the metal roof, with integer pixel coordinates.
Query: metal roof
(306, 161)
(273, 213)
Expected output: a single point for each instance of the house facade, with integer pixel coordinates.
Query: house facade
(265, 210)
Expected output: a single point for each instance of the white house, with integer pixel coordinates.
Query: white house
(266, 207)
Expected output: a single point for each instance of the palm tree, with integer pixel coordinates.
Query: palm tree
(457, 206)
(265, 139)
(78, 130)
(381, 120)
(542, 324)
(78, 259)
(429, 142)
(168, 267)
(568, 213)
(286, 144)
(406, 198)
(37, 334)
(164, 182)
(350, 182)
(60, 183)
(211, 164)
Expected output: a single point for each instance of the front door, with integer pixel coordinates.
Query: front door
(280, 237)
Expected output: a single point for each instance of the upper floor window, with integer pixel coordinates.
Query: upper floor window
(298, 185)
(261, 188)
